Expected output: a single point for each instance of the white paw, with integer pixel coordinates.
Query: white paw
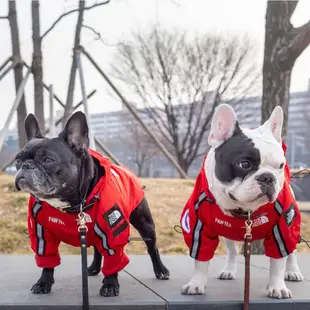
(196, 286)
(294, 276)
(278, 289)
(227, 274)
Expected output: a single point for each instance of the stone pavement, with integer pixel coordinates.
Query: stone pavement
(140, 290)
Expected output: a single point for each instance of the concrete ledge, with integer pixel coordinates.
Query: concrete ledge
(139, 288)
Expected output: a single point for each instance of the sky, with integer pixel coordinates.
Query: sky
(117, 20)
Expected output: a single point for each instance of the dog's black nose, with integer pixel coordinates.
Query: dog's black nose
(27, 165)
(265, 179)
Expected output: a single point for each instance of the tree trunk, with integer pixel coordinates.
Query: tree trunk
(37, 69)
(183, 163)
(71, 86)
(273, 96)
(140, 169)
(18, 71)
(283, 45)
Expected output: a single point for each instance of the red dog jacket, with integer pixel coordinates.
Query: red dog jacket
(203, 221)
(118, 193)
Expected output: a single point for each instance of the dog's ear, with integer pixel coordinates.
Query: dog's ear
(32, 128)
(223, 124)
(75, 133)
(275, 123)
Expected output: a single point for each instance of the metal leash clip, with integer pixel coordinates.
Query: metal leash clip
(82, 222)
(248, 227)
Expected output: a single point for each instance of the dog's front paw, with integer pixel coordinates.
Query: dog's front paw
(196, 286)
(227, 274)
(42, 287)
(110, 287)
(162, 273)
(278, 289)
(108, 290)
(294, 276)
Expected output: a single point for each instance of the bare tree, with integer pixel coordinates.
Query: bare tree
(37, 57)
(180, 81)
(18, 71)
(37, 69)
(77, 40)
(140, 145)
(283, 45)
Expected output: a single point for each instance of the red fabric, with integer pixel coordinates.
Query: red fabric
(120, 193)
(203, 221)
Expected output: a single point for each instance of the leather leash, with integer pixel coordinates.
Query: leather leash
(83, 242)
(247, 255)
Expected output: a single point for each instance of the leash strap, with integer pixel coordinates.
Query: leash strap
(84, 269)
(247, 256)
(83, 242)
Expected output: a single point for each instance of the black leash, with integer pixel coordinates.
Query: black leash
(82, 229)
(84, 268)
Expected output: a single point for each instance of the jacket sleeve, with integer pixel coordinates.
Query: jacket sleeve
(43, 243)
(196, 233)
(112, 233)
(285, 234)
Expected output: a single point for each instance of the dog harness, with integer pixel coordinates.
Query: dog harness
(114, 197)
(203, 221)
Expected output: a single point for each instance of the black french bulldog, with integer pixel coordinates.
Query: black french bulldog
(44, 165)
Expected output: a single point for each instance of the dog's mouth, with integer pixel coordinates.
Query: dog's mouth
(232, 197)
(268, 194)
(21, 183)
(238, 213)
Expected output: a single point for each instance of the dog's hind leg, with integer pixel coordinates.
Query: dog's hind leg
(95, 266)
(292, 272)
(141, 219)
(230, 268)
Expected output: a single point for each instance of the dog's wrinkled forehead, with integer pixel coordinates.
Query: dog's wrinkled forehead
(41, 148)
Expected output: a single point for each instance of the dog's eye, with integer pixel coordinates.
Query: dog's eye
(47, 160)
(245, 165)
(281, 166)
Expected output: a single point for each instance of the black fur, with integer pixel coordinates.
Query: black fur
(231, 153)
(69, 162)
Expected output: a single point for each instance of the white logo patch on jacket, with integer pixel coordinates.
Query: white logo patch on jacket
(114, 216)
(185, 222)
(260, 221)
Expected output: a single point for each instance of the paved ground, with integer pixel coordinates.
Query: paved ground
(140, 290)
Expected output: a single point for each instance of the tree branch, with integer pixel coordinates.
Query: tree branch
(301, 39)
(98, 35)
(68, 13)
(4, 17)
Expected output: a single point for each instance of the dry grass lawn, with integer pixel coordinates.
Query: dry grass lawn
(166, 199)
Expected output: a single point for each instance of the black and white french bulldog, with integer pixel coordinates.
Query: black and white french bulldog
(59, 171)
(245, 171)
